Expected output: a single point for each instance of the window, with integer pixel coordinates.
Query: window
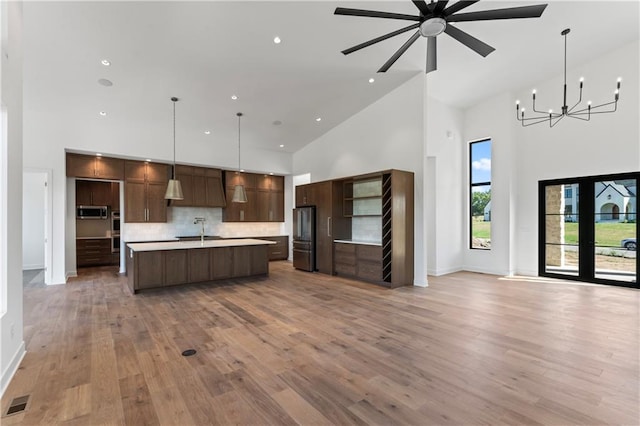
(480, 194)
(568, 193)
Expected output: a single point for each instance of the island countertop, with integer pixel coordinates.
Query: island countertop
(184, 245)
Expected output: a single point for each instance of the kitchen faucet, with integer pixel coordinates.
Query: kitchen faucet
(200, 220)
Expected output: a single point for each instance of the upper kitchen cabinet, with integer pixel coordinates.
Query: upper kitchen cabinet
(305, 195)
(93, 193)
(270, 198)
(201, 186)
(240, 212)
(95, 167)
(144, 188)
(265, 198)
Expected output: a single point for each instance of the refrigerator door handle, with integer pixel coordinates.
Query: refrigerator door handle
(329, 226)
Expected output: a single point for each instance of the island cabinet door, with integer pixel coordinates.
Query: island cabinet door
(259, 260)
(221, 262)
(148, 270)
(175, 267)
(199, 265)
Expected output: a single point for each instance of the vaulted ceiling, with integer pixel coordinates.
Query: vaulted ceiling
(205, 52)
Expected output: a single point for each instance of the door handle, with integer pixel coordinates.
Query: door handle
(329, 226)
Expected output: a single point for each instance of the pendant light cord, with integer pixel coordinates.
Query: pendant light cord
(174, 100)
(239, 115)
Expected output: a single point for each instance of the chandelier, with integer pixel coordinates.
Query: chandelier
(582, 113)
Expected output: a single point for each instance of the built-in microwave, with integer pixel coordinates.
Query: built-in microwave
(92, 212)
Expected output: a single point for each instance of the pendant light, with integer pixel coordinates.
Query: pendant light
(239, 194)
(174, 188)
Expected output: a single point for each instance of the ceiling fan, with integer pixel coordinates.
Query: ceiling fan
(434, 19)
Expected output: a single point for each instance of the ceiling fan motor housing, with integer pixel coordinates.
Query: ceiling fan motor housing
(432, 27)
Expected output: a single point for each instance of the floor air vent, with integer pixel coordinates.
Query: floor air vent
(18, 405)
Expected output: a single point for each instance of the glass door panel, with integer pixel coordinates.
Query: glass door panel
(615, 218)
(561, 224)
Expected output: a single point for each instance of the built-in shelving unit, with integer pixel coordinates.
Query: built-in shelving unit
(363, 198)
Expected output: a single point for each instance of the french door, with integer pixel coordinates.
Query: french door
(588, 229)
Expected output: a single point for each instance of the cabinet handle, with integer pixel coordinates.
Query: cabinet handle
(329, 226)
(241, 214)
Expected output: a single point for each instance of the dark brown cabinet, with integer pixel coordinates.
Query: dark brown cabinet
(95, 167)
(161, 268)
(201, 186)
(360, 261)
(145, 185)
(115, 196)
(93, 193)
(240, 212)
(95, 252)
(327, 197)
(265, 198)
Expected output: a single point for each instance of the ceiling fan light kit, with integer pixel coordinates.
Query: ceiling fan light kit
(433, 20)
(565, 111)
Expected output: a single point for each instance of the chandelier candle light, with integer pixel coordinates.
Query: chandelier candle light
(174, 188)
(581, 114)
(239, 194)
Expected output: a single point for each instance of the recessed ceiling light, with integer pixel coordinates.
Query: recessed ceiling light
(105, 82)
(105, 62)
(271, 173)
(319, 119)
(103, 113)
(242, 170)
(207, 132)
(98, 154)
(371, 80)
(281, 146)
(234, 97)
(277, 40)
(148, 160)
(277, 123)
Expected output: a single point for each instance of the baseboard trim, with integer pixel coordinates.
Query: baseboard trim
(31, 267)
(8, 374)
(445, 271)
(70, 274)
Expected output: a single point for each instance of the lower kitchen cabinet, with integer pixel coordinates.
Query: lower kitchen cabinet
(161, 268)
(149, 273)
(362, 261)
(94, 252)
(175, 267)
(221, 262)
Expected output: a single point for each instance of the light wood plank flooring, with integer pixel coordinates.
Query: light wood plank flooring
(301, 348)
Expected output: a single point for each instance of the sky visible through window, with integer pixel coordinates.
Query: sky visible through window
(481, 163)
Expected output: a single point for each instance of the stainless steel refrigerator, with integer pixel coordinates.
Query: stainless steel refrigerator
(304, 238)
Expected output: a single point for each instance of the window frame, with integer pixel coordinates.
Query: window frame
(472, 185)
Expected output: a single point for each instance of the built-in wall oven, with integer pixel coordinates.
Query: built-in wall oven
(115, 231)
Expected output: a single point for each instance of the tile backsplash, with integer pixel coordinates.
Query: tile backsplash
(367, 229)
(180, 222)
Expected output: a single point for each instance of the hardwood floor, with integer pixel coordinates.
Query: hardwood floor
(301, 348)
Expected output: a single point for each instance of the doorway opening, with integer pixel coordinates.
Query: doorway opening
(36, 222)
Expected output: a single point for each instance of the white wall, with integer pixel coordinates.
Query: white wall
(609, 143)
(33, 219)
(444, 187)
(11, 322)
(388, 134)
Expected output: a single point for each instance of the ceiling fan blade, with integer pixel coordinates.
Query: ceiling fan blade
(422, 6)
(432, 58)
(379, 39)
(440, 6)
(534, 11)
(469, 41)
(399, 52)
(374, 14)
(458, 7)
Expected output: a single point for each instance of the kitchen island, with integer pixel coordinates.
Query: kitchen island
(163, 264)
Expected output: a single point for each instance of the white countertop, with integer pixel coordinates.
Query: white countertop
(183, 245)
(364, 243)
